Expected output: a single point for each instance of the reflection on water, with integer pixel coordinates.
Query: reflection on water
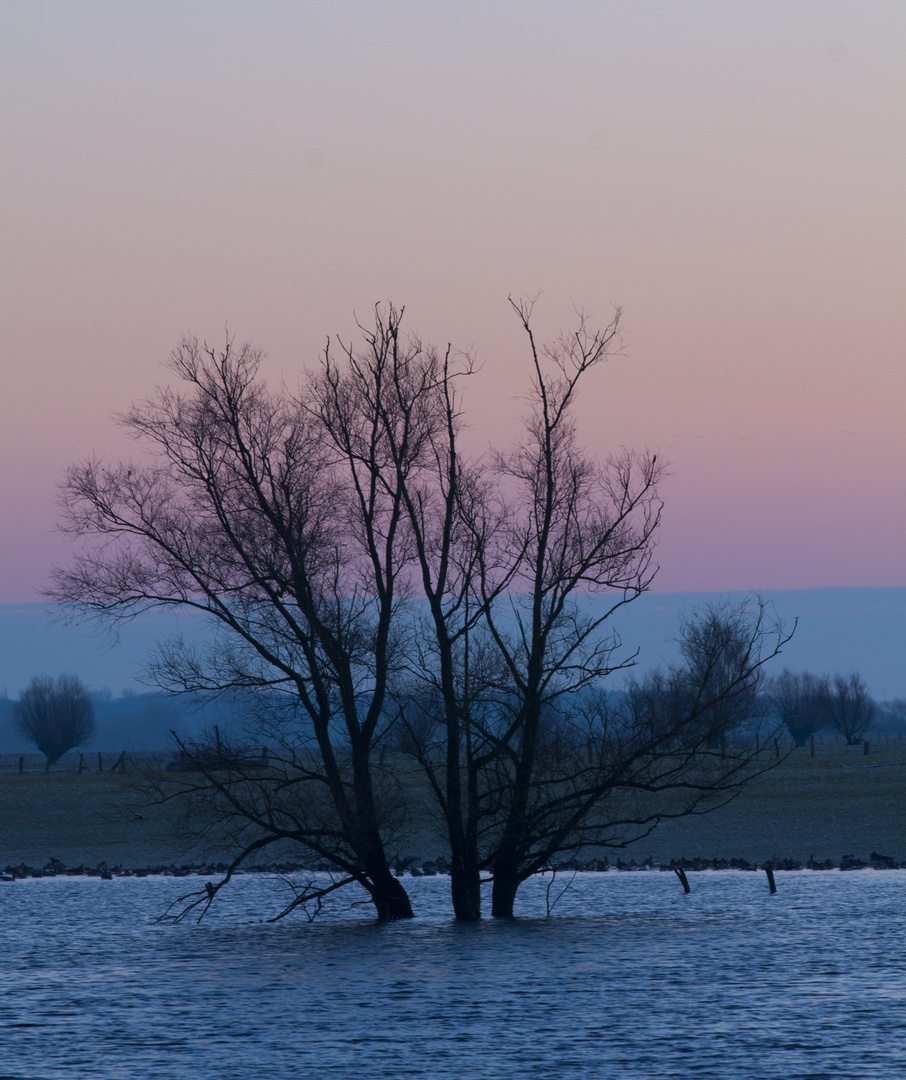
(629, 979)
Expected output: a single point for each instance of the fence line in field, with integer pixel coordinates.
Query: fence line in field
(89, 762)
(118, 761)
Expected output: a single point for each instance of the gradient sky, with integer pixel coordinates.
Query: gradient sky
(732, 173)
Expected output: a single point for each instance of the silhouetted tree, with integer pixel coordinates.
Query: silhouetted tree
(623, 763)
(371, 587)
(394, 393)
(510, 650)
(719, 678)
(56, 715)
(246, 515)
(570, 525)
(802, 701)
(850, 707)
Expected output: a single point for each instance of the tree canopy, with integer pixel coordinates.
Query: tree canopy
(55, 714)
(369, 580)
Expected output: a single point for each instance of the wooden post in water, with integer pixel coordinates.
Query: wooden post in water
(769, 870)
(684, 881)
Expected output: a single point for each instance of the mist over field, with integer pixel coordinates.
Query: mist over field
(839, 629)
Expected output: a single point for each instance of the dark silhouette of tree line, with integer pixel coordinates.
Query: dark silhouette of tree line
(808, 703)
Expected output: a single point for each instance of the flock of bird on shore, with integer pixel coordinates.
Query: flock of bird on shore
(56, 868)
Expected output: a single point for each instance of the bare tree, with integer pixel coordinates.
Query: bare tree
(506, 550)
(404, 397)
(542, 518)
(572, 526)
(720, 679)
(522, 645)
(620, 764)
(850, 707)
(370, 586)
(802, 701)
(56, 715)
(244, 515)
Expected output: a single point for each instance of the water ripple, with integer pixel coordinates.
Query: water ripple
(629, 979)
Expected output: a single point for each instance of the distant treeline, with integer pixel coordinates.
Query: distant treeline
(137, 721)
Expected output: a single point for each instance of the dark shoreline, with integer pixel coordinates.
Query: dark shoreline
(55, 868)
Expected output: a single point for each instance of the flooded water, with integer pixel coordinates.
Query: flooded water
(627, 978)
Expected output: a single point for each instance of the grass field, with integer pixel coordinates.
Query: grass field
(839, 802)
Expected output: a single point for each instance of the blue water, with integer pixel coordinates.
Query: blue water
(627, 978)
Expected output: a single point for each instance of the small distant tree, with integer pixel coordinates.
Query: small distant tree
(719, 678)
(802, 702)
(850, 707)
(56, 715)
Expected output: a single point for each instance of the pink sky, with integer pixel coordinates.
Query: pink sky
(731, 173)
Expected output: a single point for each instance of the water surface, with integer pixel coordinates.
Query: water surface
(628, 978)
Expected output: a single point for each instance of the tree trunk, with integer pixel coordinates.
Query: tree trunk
(465, 891)
(506, 884)
(465, 874)
(390, 899)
